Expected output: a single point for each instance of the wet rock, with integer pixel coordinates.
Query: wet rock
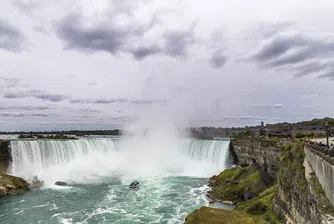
(36, 183)
(228, 202)
(10, 187)
(3, 191)
(61, 183)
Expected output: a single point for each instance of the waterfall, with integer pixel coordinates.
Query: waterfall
(87, 159)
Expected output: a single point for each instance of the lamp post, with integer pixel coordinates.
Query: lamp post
(326, 127)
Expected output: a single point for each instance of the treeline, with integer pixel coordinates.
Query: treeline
(314, 122)
(39, 136)
(72, 132)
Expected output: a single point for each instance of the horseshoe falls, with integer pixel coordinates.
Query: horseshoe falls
(173, 176)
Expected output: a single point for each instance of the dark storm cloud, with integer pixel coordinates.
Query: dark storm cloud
(302, 55)
(11, 38)
(218, 59)
(38, 94)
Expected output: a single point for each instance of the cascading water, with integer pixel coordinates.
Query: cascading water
(173, 175)
(86, 158)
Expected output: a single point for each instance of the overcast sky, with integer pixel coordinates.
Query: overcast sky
(101, 64)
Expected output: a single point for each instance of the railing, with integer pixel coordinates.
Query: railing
(329, 151)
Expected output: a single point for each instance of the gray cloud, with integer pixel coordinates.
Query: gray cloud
(302, 55)
(147, 101)
(104, 101)
(142, 52)
(105, 36)
(29, 108)
(117, 100)
(243, 118)
(178, 42)
(269, 30)
(218, 59)
(11, 82)
(269, 106)
(99, 38)
(216, 43)
(20, 114)
(12, 114)
(11, 38)
(115, 38)
(87, 110)
(39, 115)
(26, 7)
(252, 118)
(41, 29)
(38, 94)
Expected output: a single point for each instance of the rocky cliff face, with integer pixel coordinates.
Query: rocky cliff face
(5, 157)
(299, 199)
(265, 152)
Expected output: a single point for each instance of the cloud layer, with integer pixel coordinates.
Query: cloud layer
(11, 38)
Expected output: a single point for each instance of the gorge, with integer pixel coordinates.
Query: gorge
(173, 175)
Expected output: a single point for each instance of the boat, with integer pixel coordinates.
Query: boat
(134, 185)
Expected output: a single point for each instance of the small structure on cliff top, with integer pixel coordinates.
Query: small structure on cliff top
(262, 130)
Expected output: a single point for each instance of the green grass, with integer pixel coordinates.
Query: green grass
(262, 206)
(206, 215)
(231, 184)
(292, 172)
(20, 184)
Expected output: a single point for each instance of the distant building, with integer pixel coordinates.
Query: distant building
(309, 130)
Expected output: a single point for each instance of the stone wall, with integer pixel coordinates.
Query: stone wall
(265, 152)
(324, 170)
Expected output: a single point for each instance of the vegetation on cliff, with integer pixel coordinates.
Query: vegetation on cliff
(292, 172)
(13, 185)
(262, 206)
(324, 204)
(4, 155)
(239, 184)
(54, 137)
(218, 216)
